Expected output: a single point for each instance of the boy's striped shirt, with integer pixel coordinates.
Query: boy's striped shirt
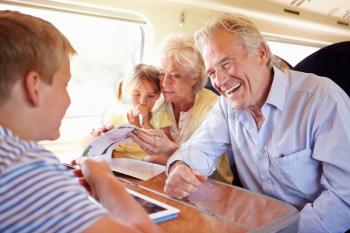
(37, 193)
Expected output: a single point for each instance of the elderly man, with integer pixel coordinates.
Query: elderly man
(289, 131)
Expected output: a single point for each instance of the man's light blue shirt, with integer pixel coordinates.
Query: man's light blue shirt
(300, 155)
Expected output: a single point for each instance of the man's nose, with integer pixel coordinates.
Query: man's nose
(219, 77)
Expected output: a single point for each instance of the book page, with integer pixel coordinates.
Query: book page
(104, 144)
(136, 168)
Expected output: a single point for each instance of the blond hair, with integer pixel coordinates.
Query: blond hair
(29, 43)
(183, 51)
(247, 32)
(140, 74)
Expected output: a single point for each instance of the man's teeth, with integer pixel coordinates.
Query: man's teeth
(232, 89)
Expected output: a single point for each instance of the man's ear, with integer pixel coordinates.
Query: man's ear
(263, 54)
(31, 87)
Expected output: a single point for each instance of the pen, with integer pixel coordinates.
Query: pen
(69, 166)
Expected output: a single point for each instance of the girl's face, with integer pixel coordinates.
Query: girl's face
(144, 93)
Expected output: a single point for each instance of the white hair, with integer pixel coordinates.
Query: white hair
(183, 51)
(250, 36)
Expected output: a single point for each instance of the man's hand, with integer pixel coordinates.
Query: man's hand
(159, 159)
(182, 181)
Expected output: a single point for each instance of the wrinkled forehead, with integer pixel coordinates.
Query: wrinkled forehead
(221, 44)
(167, 63)
(208, 55)
(171, 64)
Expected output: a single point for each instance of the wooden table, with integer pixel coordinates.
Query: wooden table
(218, 207)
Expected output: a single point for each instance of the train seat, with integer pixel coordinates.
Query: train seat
(332, 61)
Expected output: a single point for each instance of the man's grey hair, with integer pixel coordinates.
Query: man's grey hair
(249, 35)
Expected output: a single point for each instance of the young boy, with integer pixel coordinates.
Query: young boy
(37, 193)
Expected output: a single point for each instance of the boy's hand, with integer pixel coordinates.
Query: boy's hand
(89, 171)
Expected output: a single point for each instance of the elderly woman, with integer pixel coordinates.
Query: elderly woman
(182, 79)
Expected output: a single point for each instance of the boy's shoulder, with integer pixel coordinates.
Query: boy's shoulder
(33, 181)
(15, 152)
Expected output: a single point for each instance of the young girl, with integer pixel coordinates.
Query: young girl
(136, 97)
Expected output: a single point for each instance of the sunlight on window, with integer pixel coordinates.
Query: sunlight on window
(292, 53)
(106, 49)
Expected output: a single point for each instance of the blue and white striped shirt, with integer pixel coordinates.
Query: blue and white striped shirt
(37, 193)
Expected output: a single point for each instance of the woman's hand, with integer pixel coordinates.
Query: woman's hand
(154, 142)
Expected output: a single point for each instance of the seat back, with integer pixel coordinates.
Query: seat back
(210, 87)
(332, 61)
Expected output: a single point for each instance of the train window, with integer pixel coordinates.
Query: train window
(292, 53)
(105, 46)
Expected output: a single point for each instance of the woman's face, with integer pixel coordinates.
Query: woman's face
(176, 81)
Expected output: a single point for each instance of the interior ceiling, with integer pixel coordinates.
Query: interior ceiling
(334, 8)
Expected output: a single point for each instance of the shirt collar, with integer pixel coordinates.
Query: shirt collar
(277, 94)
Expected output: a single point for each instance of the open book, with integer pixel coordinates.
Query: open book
(103, 146)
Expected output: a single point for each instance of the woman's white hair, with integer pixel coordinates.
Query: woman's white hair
(182, 49)
(250, 36)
